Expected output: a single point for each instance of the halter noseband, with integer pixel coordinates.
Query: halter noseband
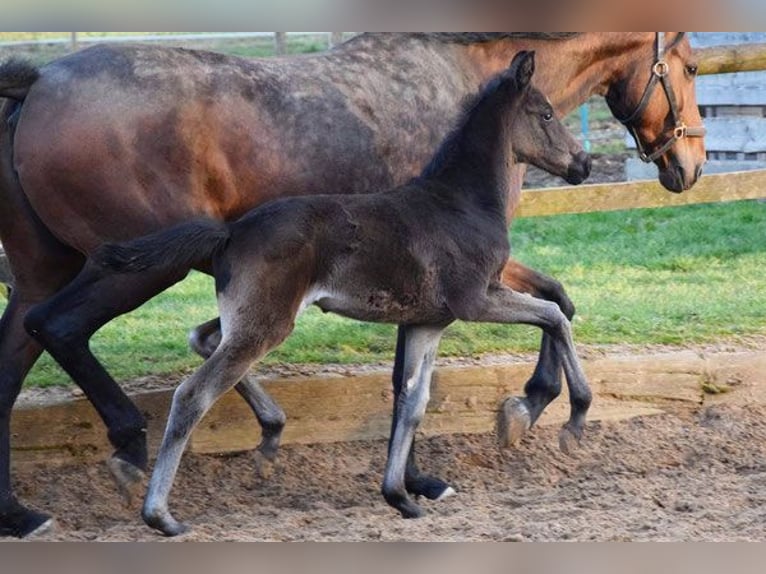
(660, 70)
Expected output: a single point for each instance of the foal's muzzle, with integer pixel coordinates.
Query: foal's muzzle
(579, 169)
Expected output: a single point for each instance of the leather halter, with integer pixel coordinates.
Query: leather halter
(660, 70)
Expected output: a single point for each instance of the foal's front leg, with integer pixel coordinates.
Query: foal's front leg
(503, 305)
(416, 483)
(518, 414)
(420, 347)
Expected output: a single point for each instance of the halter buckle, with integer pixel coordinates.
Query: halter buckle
(660, 68)
(679, 131)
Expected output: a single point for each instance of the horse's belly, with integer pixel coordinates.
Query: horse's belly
(380, 306)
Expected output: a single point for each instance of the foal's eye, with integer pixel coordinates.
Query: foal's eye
(691, 69)
(547, 116)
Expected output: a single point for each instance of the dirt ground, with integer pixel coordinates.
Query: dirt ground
(690, 474)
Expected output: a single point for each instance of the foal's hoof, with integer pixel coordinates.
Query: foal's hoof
(430, 487)
(569, 439)
(264, 466)
(164, 522)
(412, 511)
(21, 522)
(513, 421)
(129, 479)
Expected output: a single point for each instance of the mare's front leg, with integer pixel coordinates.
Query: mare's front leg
(518, 414)
(64, 324)
(420, 347)
(503, 305)
(204, 340)
(18, 352)
(416, 483)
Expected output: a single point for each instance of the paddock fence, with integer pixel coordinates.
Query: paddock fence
(464, 399)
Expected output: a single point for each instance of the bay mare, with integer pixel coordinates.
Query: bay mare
(113, 142)
(443, 262)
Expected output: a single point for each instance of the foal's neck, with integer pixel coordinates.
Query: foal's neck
(475, 159)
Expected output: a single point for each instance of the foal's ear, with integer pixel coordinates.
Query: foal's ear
(522, 67)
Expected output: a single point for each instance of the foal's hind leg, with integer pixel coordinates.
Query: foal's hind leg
(64, 325)
(503, 305)
(204, 340)
(518, 414)
(191, 401)
(421, 343)
(416, 483)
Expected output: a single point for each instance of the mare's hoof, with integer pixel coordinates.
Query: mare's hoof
(129, 479)
(430, 487)
(21, 522)
(569, 439)
(513, 421)
(264, 466)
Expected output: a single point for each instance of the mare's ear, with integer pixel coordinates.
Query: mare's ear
(523, 67)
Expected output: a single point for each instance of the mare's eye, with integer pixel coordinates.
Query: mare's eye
(691, 69)
(547, 116)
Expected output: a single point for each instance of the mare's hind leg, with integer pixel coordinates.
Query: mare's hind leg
(416, 483)
(518, 414)
(503, 305)
(204, 340)
(64, 324)
(420, 347)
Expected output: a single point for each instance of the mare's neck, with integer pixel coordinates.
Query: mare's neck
(571, 70)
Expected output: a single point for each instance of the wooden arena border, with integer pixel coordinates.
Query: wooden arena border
(358, 407)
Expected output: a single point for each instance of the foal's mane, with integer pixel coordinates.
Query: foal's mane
(451, 143)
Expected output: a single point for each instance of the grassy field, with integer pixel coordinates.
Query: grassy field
(672, 275)
(249, 47)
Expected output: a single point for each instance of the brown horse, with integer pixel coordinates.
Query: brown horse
(443, 263)
(114, 142)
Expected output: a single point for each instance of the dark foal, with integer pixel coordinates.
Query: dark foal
(422, 255)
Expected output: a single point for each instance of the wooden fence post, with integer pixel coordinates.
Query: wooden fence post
(280, 43)
(335, 38)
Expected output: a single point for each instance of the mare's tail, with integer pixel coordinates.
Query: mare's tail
(16, 77)
(180, 247)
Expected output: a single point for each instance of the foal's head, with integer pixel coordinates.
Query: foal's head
(538, 137)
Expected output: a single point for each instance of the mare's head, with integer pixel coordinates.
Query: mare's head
(539, 138)
(655, 99)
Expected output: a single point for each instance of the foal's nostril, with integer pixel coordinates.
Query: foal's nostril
(698, 172)
(579, 169)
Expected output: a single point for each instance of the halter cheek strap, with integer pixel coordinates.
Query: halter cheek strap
(660, 74)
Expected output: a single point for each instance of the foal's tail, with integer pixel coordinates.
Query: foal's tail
(16, 77)
(180, 247)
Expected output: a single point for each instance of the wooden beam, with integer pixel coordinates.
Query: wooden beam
(463, 400)
(732, 58)
(639, 194)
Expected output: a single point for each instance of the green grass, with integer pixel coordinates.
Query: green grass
(671, 275)
(245, 47)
